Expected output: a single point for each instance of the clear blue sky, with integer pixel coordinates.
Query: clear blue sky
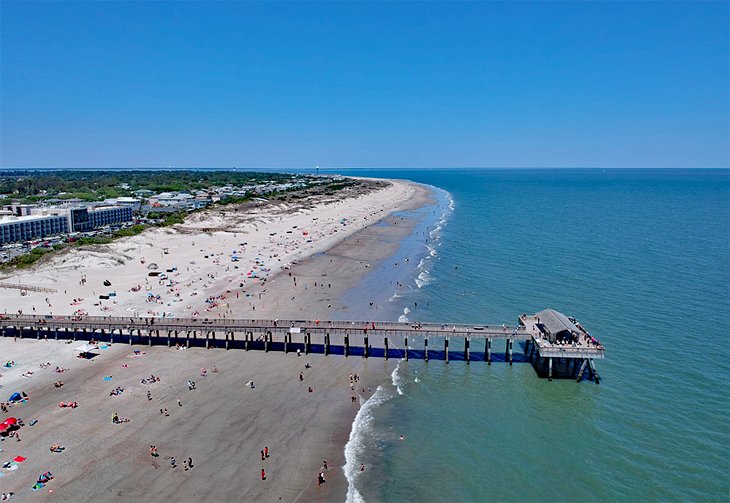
(617, 84)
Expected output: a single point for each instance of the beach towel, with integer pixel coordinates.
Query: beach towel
(19, 459)
(108, 378)
(13, 466)
(33, 422)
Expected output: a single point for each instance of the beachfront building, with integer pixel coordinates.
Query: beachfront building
(25, 228)
(132, 202)
(86, 219)
(182, 201)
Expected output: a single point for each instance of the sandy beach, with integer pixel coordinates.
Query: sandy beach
(223, 423)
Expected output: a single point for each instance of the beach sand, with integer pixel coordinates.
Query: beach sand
(223, 424)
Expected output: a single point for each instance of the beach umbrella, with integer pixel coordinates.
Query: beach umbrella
(10, 421)
(4, 426)
(15, 397)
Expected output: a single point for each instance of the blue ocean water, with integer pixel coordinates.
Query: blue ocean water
(642, 259)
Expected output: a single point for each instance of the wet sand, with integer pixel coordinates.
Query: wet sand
(223, 424)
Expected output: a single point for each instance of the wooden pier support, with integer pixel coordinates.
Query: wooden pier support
(488, 350)
(347, 344)
(582, 368)
(267, 335)
(425, 348)
(550, 369)
(287, 341)
(307, 343)
(366, 348)
(385, 341)
(326, 343)
(446, 349)
(509, 350)
(406, 347)
(596, 378)
(466, 350)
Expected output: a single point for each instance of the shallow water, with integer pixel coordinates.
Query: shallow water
(642, 259)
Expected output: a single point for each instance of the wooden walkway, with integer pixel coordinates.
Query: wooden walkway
(28, 288)
(328, 337)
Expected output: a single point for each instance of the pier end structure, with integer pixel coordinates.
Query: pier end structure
(559, 346)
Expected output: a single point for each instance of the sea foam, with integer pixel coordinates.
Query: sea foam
(360, 437)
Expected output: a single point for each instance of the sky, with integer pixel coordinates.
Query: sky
(364, 84)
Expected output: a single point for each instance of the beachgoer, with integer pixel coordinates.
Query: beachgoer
(266, 452)
(190, 462)
(263, 474)
(173, 463)
(185, 464)
(320, 478)
(362, 467)
(301, 376)
(262, 455)
(179, 402)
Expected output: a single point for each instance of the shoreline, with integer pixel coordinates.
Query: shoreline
(313, 428)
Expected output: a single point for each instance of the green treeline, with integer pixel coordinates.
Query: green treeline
(94, 185)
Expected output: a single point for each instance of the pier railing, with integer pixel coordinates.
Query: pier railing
(349, 338)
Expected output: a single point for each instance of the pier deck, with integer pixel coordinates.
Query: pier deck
(337, 337)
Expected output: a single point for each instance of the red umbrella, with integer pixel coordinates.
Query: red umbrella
(4, 426)
(11, 421)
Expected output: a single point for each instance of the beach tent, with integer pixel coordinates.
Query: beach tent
(10, 421)
(3, 427)
(15, 397)
(87, 348)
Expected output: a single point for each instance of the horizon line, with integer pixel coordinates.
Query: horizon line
(334, 168)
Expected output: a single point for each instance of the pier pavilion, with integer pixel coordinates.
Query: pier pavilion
(550, 338)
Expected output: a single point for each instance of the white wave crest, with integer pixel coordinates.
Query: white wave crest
(397, 379)
(362, 429)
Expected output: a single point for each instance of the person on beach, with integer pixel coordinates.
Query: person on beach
(301, 376)
(173, 463)
(185, 464)
(179, 402)
(362, 467)
(266, 451)
(262, 455)
(263, 474)
(324, 464)
(190, 462)
(320, 479)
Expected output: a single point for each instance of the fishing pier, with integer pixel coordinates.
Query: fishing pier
(554, 343)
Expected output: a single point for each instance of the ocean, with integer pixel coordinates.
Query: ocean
(640, 257)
